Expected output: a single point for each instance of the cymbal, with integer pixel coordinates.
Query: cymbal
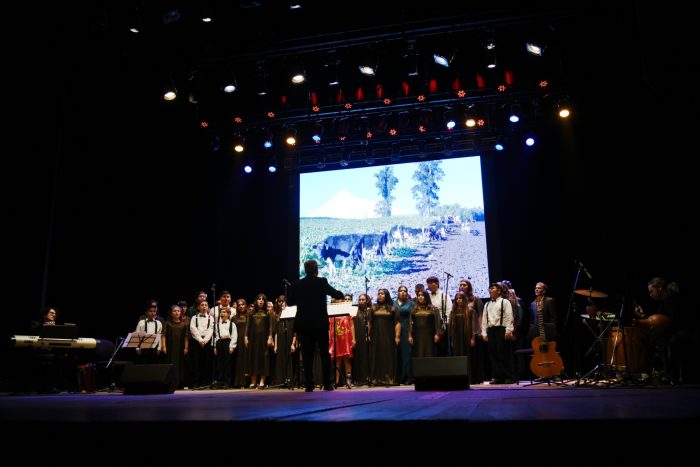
(590, 293)
(603, 317)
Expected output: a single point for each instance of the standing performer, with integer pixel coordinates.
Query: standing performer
(311, 321)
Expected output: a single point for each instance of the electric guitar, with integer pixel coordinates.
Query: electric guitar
(545, 362)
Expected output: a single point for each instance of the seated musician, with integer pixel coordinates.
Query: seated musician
(679, 333)
(48, 318)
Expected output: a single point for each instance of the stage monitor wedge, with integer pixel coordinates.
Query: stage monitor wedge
(441, 373)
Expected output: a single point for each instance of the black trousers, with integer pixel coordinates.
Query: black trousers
(309, 339)
(498, 353)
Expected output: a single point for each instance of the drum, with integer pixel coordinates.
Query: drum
(627, 350)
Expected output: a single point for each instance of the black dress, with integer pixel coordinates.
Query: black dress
(383, 349)
(175, 335)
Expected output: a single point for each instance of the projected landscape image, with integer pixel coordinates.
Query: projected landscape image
(385, 226)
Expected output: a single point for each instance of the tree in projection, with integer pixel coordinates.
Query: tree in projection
(386, 182)
(425, 191)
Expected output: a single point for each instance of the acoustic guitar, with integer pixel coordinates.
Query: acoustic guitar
(545, 362)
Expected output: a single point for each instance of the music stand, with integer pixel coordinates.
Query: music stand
(141, 340)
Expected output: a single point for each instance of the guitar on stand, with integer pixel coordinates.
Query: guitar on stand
(545, 362)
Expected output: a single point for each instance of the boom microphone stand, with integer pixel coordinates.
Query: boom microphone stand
(446, 297)
(213, 338)
(571, 310)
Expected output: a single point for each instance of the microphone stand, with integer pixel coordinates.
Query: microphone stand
(213, 337)
(570, 311)
(120, 341)
(446, 297)
(366, 286)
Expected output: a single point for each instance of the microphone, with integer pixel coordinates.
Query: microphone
(213, 287)
(286, 282)
(583, 268)
(366, 280)
(448, 274)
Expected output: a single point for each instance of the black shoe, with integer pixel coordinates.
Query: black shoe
(311, 389)
(328, 387)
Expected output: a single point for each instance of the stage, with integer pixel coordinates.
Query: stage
(589, 412)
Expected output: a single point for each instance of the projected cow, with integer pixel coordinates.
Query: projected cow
(356, 247)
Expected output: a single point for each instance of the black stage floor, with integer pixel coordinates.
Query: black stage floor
(592, 415)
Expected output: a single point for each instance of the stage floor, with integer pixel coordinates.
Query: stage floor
(481, 403)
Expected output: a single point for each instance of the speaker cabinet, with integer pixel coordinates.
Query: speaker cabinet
(441, 373)
(149, 379)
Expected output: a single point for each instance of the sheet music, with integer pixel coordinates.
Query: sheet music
(334, 309)
(289, 312)
(344, 308)
(143, 340)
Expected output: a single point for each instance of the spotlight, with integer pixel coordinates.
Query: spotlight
(530, 141)
(170, 92)
(291, 136)
(500, 145)
(533, 49)
(272, 166)
(317, 132)
(441, 60)
(514, 113)
(248, 167)
(267, 139)
(238, 143)
(367, 70)
(449, 117)
(564, 108)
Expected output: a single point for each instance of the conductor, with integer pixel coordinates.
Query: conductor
(311, 321)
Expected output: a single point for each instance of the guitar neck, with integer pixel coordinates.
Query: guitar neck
(540, 320)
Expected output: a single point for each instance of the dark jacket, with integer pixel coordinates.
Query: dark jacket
(309, 294)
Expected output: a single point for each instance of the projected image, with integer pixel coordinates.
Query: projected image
(396, 224)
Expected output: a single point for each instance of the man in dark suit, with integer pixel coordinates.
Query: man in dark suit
(311, 321)
(547, 307)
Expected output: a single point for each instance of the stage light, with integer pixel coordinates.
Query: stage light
(500, 145)
(170, 91)
(529, 140)
(490, 51)
(248, 167)
(230, 85)
(426, 118)
(533, 49)
(317, 132)
(238, 143)
(267, 139)
(564, 108)
(441, 60)
(291, 136)
(367, 70)
(514, 113)
(272, 166)
(261, 80)
(449, 117)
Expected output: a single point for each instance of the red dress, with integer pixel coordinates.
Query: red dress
(343, 324)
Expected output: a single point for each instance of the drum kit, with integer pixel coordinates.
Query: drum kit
(619, 350)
